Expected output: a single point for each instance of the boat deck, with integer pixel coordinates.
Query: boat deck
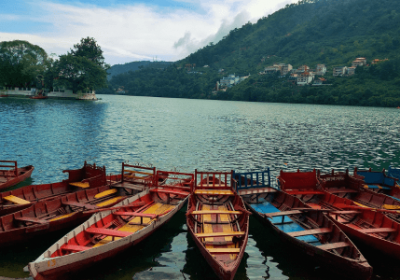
(225, 230)
(137, 223)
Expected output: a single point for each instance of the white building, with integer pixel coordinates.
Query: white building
(305, 78)
(321, 69)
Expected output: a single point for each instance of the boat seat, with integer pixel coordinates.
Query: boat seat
(31, 220)
(80, 185)
(336, 191)
(220, 234)
(75, 248)
(390, 207)
(283, 213)
(377, 230)
(224, 250)
(335, 245)
(214, 192)
(379, 187)
(120, 213)
(208, 212)
(219, 243)
(106, 193)
(78, 204)
(16, 200)
(303, 192)
(248, 191)
(345, 212)
(63, 217)
(182, 193)
(138, 172)
(309, 232)
(110, 201)
(108, 232)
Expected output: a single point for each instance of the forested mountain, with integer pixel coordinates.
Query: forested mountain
(331, 32)
(134, 66)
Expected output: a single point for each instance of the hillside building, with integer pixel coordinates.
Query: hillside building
(361, 61)
(339, 71)
(320, 70)
(305, 78)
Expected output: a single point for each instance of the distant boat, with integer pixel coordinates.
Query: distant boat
(3, 95)
(39, 97)
(15, 175)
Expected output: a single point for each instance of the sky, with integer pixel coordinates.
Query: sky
(129, 30)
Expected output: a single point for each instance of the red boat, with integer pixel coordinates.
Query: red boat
(15, 175)
(306, 229)
(56, 214)
(109, 232)
(218, 222)
(89, 176)
(3, 95)
(369, 226)
(344, 185)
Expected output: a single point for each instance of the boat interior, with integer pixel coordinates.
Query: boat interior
(135, 216)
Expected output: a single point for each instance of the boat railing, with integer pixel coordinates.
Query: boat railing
(9, 164)
(138, 174)
(174, 180)
(394, 172)
(213, 179)
(250, 180)
(375, 177)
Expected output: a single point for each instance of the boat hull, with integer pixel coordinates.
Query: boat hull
(25, 173)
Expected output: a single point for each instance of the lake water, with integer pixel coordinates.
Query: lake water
(183, 135)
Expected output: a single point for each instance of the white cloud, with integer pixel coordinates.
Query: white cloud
(140, 32)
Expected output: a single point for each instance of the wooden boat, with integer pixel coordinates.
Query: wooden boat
(378, 182)
(109, 232)
(89, 176)
(218, 222)
(344, 185)
(58, 213)
(308, 230)
(3, 95)
(15, 175)
(370, 226)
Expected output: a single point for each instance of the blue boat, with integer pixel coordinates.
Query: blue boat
(306, 229)
(379, 182)
(394, 172)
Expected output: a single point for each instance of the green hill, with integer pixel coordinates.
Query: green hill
(330, 32)
(134, 66)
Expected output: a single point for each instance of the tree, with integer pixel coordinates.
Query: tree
(21, 63)
(82, 69)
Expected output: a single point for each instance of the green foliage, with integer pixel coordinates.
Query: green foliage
(83, 69)
(21, 63)
(331, 32)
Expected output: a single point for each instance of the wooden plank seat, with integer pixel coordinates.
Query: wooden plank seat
(106, 193)
(78, 204)
(283, 213)
(31, 220)
(108, 232)
(303, 192)
(110, 201)
(138, 172)
(220, 234)
(224, 250)
(336, 191)
(377, 230)
(80, 185)
(176, 192)
(246, 191)
(350, 212)
(75, 248)
(218, 243)
(134, 214)
(213, 192)
(208, 212)
(309, 232)
(335, 245)
(129, 185)
(16, 200)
